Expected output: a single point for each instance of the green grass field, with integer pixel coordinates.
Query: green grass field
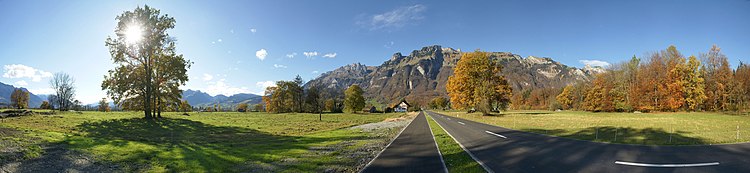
(203, 142)
(454, 156)
(678, 128)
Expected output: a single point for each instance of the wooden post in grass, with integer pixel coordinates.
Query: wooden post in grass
(596, 134)
(738, 132)
(615, 135)
(670, 135)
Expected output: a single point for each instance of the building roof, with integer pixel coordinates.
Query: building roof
(402, 101)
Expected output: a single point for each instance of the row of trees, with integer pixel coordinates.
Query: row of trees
(664, 81)
(535, 98)
(291, 96)
(149, 71)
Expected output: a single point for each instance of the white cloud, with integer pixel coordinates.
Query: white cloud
(594, 63)
(21, 71)
(389, 45)
(219, 40)
(207, 77)
(253, 30)
(310, 54)
(21, 83)
(315, 72)
(291, 55)
(45, 91)
(278, 66)
(263, 85)
(221, 87)
(261, 54)
(395, 18)
(231, 31)
(330, 55)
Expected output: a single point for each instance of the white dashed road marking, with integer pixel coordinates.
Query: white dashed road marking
(461, 123)
(498, 135)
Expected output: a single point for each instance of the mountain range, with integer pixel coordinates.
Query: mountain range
(197, 98)
(423, 74)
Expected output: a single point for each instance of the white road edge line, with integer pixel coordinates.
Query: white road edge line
(436, 144)
(672, 165)
(389, 144)
(461, 123)
(465, 150)
(498, 135)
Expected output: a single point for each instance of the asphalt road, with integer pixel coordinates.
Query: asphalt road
(414, 150)
(505, 150)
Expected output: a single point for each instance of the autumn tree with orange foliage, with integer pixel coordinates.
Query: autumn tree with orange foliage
(718, 77)
(667, 81)
(477, 82)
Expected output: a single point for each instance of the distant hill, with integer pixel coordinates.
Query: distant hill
(197, 98)
(424, 73)
(6, 90)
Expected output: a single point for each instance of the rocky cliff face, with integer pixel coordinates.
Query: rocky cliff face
(423, 74)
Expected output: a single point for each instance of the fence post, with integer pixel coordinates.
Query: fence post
(615, 135)
(596, 134)
(738, 132)
(670, 135)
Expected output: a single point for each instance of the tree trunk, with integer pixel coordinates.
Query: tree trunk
(147, 101)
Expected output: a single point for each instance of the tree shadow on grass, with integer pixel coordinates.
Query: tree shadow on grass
(626, 135)
(185, 145)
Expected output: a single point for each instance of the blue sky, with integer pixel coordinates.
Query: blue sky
(241, 46)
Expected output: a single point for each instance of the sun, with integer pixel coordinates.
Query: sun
(133, 33)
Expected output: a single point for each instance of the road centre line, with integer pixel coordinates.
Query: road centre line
(671, 165)
(461, 123)
(498, 135)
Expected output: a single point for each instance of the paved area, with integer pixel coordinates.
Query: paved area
(506, 150)
(414, 150)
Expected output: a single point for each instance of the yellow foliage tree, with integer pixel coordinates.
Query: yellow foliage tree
(477, 82)
(564, 98)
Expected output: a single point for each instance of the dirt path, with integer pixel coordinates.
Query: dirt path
(58, 159)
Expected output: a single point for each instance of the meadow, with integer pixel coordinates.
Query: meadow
(667, 128)
(201, 142)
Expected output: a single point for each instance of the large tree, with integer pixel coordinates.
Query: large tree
(148, 69)
(675, 81)
(353, 99)
(742, 76)
(695, 85)
(565, 98)
(63, 84)
(19, 99)
(103, 105)
(477, 82)
(718, 76)
(314, 101)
